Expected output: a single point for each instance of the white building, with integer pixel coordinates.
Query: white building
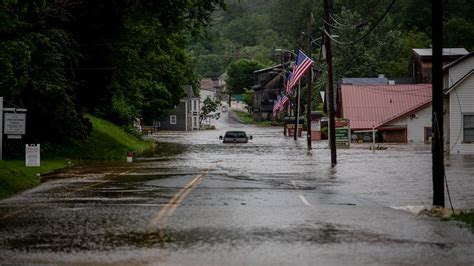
(459, 105)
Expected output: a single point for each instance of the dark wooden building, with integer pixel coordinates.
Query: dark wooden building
(269, 82)
(420, 67)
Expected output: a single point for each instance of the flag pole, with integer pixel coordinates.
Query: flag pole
(297, 112)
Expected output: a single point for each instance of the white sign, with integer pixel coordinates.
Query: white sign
(316, 125)
(14, 124)
(32, 155)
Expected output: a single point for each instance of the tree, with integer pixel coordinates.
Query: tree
(458, 33)
(249, 95)
(37, 57)
(139, 50)
(208, 107)
(240, 75)
(380, 52)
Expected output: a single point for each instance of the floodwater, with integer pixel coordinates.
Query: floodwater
(197, 201)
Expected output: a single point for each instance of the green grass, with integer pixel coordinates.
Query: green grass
(246, 118)
(468, 218)
(107, 142)
(15, 176)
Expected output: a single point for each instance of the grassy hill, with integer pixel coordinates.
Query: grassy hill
(107, 142)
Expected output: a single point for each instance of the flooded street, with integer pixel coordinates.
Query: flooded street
(197, 201)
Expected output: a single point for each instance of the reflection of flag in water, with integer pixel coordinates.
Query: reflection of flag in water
(287, 82)
(303, 63)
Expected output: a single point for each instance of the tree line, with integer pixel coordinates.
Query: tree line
(117, 59)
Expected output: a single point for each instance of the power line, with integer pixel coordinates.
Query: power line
(367, 33)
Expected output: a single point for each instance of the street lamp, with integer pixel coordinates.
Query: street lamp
(285, 51)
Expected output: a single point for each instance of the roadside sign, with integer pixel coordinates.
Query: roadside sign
(343, 133)
(14, 124)
(32, 155)
(14, 137)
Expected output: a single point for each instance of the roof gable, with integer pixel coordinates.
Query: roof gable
(448, 66)
(460, 81)
(375, 105)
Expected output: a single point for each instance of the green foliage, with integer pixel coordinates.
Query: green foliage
(107, 141)
(240, 75)
(36, 52)
(468, 218)
(249, 95)
(16, 177)
(381, 52)
(247, 118)
(459, 33)
(208, 107)
(119, 59)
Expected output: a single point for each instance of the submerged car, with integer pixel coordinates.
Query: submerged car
(235, 137)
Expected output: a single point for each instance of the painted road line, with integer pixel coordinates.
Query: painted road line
(160, 218)
(305, 201)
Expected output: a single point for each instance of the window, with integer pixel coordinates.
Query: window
(195, 105)
(173, 119)
(468, 128)
(428, 135)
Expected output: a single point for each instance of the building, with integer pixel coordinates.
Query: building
(459, 105)
(400, 113)
(214, 88)
(420, 67)
(269, 82)
(209, 89)
(185, 116)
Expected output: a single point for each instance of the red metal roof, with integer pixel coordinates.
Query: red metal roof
(376, 105)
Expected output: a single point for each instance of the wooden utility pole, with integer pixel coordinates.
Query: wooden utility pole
(330, 90)
(310, 82)
(437, 145)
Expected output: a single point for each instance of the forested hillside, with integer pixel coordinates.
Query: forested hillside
(252, 29)
(117, 59)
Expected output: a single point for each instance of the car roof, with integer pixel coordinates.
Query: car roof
(235, 132)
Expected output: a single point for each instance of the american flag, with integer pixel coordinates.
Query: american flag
(279, 104)
(276, 105)
(303, 63)
(287, 82)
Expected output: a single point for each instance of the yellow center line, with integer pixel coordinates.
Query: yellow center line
(160, 218)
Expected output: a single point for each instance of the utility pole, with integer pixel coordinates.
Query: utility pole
(330, 90)
(437, 145)
(310, 82)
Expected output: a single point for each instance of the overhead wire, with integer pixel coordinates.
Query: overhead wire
(365, 34)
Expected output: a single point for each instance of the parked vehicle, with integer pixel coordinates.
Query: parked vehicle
(235, 137)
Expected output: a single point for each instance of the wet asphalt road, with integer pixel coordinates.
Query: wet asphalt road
(196, 201)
